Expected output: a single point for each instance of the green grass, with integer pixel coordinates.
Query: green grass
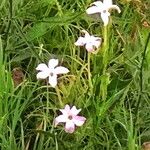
(117, 106)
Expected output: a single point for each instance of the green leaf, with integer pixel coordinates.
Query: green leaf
(42, 27)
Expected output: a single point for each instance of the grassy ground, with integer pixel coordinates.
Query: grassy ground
(117, 106)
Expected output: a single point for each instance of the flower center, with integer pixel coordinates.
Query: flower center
(104, 11)
(70, 117)
(51, 74)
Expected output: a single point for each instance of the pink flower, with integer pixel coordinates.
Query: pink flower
(70, 118)
(89, 41)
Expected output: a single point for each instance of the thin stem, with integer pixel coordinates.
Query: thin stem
(47, 102)
(59, 96)
(104, 77)
(89, 70)
(9, 24)
(105, 50)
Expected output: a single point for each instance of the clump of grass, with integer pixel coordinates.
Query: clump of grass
(116, 106)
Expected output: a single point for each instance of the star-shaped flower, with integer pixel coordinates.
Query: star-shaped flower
(70, 118)
(50, 71)
(103, 9)
(89, 41)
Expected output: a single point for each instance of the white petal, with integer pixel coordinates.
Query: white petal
(85, 32)
(53, 80)
(93, 10)
(115, 7)
(105, 18)
(79, 120)
(42, 67)
(89, 47)
(60, 118)
(69, 127)
(74, 111)
(52, 63)
(61, 70)
(86, 35)
(80, 42)
(107, 3)
(99, 4)
(42, 75)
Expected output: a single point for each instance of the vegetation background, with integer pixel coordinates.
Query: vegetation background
(33, 31)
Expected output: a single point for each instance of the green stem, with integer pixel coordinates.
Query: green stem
(59, 96)
(47, 102)
(9, 24)
(105, 76)
(105, 50)
(89, 71)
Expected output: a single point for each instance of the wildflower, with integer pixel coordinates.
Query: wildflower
(50, 71)
(103, 9)
(89, 41)
(70, 118)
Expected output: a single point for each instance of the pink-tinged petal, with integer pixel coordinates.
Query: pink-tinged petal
(42, 75)
(61, 70)
(97, 42)
(93, 10)
(115, 7)
(66, 110)
(67, 107)
(74, 111)
(80, 42)
(52, 63)
(59, 119)
(105, 18)
(107, 3)
(79, 120)
(69, 127)
(53, 80)
(42, 67)
(89, 47)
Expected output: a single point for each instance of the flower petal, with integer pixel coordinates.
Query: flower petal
(60, 118)
(42, 67)
(53, 80)
(89, 47)
(61, 70)
(105, 18)
(79, 120)
(115, 7)
(99, 4)
(74, 111)
(107, 3)
(93, 10)
(80, 42)
(66, 110)
(42, 75)
(52, 63)
(69, 127)
(97, 42)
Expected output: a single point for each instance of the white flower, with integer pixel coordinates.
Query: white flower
(70, 118)
(50, 71)
(103, 9)
(89, 41)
